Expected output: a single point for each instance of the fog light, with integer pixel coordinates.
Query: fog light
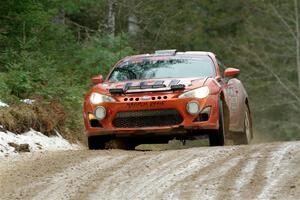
(100, 112)
(91, 116)
(193, 107)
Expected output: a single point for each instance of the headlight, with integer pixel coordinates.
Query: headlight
(200, 93)
(97, 98)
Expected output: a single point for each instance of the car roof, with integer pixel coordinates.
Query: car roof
(172, 52)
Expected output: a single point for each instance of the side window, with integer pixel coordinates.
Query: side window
(221, 67)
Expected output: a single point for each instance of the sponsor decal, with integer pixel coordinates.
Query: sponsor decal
(145, 104)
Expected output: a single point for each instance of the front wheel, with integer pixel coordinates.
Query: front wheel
(217, 138)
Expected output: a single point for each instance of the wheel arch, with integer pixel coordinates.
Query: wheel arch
(250, 116)
(247, 104)
(226, 112)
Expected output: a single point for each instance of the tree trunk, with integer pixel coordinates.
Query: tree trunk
(133, 27)
(111, 17)
(297, 41)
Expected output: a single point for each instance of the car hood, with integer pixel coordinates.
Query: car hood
(190, 83)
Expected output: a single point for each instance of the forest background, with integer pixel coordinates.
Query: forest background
(50, 50)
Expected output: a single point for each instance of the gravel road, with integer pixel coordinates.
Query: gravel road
(263, 171)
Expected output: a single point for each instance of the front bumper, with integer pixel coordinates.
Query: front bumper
(189, 122)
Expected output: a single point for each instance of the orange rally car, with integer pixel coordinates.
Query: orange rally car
(154, 98)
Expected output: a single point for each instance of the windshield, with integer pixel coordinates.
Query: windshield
(163, 68)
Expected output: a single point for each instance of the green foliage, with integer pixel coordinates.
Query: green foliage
(98, 54)
(41, 59)
(50, 49)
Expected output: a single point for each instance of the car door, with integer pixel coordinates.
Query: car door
(234, 95)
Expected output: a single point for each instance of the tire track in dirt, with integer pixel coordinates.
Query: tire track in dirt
(135, 174)
(258, 179)
(99, 180)
(267, 171)
(193, 190)
(288, 187)
(139, 174)
(158, 178)
(173, 174)
(276, 163)
(244, 176)
(30, 170)
(179, 186)
(38, 172)
(64, 185)
(196, 185)
(239, 175)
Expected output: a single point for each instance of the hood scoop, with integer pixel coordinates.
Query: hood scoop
(143, 86)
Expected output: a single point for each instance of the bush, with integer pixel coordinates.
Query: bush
(45, 118)
(55, 78)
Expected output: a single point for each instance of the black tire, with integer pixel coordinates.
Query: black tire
(95, 143)
(246, 136)
(217, 138)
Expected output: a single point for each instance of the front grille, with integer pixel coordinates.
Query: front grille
(147, 118)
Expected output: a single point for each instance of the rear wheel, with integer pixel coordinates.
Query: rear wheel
(217, 138)
(246, 136)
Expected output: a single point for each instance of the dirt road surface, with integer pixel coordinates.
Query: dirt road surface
(264, 171)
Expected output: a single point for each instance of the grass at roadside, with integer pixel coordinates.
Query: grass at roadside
(43, 117)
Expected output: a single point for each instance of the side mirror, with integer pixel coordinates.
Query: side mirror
(231, 72)
(97, 79)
